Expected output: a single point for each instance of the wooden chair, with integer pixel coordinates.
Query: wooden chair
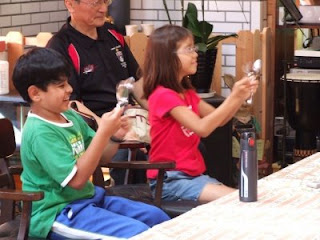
(12, 226)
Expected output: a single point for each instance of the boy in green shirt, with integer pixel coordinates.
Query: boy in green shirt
(59, 153)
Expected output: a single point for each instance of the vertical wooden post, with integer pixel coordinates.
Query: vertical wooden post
(258, 96)
(217, 71)
(244, 52)
(267, 85)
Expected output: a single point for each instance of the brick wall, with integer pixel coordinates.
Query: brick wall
(33, 16)
(226, 15)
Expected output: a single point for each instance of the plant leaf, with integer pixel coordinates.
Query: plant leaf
(202, 47)
(201, 30)
(213, 41)
(191, 15)
(206, 30)
(193, 25)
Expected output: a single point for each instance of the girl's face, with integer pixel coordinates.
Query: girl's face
(187, 53)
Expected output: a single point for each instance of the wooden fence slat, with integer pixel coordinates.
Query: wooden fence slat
(43, 38)
(127, 39)
(257, 97)
(138, 43)
(217, 71)
(244, 52)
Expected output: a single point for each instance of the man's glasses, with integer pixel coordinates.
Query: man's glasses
(97, 3)
(188, 50)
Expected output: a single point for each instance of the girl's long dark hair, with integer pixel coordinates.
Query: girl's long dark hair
(161, 64)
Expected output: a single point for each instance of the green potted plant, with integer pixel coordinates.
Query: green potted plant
(204, 40)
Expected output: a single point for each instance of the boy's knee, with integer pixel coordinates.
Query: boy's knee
(157, 216)
(136, 229)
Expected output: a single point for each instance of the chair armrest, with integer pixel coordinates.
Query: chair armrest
(10, 195)
(140, 165)
(132, 144)
(15, 169)
(161, 166)
(16, 195)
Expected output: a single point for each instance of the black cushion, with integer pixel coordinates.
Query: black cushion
(176, 208)
(138, 192)
(142, 193)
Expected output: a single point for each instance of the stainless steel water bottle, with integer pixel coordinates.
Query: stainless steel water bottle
(248, 166)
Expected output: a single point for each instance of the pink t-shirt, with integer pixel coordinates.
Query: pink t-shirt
(171, 141)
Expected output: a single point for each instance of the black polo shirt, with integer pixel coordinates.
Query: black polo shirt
(98, 65)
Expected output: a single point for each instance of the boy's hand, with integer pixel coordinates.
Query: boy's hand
(111, 121)
(124, 128)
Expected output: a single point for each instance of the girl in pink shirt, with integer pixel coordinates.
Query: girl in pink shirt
(178, 117)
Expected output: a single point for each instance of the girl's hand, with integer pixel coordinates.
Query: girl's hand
(243, 88)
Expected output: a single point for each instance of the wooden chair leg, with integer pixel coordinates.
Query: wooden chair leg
(25, 220)
(158, 195)
(132, 157)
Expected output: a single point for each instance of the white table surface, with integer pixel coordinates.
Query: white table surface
(287, 208)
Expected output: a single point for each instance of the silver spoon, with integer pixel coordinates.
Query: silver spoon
(256, 68)
(124, 88)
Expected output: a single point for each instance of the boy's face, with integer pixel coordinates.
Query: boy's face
(53, 101)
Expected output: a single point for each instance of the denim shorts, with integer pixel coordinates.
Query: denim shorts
(178, 185)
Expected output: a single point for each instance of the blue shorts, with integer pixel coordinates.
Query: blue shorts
(178, 185)
(105, 217)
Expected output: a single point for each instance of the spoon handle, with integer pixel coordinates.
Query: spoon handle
(252, 76)
(249, 100)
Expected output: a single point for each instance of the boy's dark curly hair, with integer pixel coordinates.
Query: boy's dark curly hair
(39, 67)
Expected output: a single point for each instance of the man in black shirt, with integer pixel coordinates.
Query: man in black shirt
(100, 59)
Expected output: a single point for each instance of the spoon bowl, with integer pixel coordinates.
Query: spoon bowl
(123, 91)
(256, 69)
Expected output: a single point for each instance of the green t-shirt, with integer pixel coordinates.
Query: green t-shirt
(49, 152)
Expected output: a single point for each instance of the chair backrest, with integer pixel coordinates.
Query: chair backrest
(7, 148)
(7, 140)
(19, 228)
(86, 117)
